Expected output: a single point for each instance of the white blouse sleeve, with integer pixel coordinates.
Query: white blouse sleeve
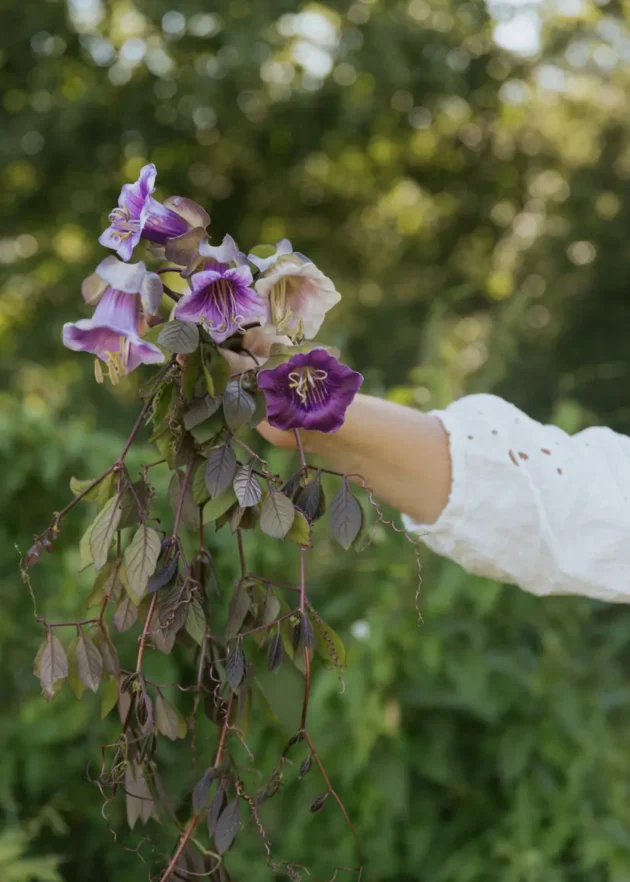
(532, 505)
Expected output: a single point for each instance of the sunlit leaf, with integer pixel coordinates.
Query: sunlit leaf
(89, 663)
(103, 531)
(139, 561)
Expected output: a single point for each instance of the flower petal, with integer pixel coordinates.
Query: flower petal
(283, 247)
(125, 277)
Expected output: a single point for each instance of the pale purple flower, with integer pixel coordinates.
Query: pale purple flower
(283, 249)
(130, 278)
(113, 332)
(221, 300)
(139, 215)
(312, 390)
(298, 296)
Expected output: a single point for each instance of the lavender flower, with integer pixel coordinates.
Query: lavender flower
(139, 215)
(221, 300)
(113, 332)
(298, 296)
(312, 390)
(283, 249)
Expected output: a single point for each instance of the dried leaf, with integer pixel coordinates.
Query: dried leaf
(277, 515)
(275, 653)
(238, 406)
(227, 826)
(53, 665)
(196, 621)
(346, 516)
(179, 337)
(126, 613)
(247, 486)
(318, 804)
(139, 561)
(103, 531)
(89, 663)
(220, 469)
(307, 636)
(138, 796)
(167, 718)
(163, 576)
(235, 666)
(305, 766)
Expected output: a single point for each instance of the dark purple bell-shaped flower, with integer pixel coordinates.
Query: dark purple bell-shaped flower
(312, 390)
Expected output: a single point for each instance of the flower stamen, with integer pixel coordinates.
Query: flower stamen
(307, 381)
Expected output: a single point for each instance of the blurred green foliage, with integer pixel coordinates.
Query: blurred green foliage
(472, 206)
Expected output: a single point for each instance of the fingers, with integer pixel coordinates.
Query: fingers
(276, 436)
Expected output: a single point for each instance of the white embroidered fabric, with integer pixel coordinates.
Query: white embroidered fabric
(533, 506)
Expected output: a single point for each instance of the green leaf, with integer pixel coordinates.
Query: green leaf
(89, 663)
(220, 373)
(346, 516)
(238, 406)
(328, 644)
(139, 561)
(179, 337)
(277, 515)
(220, 469)
(196, 621)
(247, 486)
(199, 489)
(99, 494)
(209, 429)
(53, 666)
(103, 531)
(167, 719)
(126, 613)
(77, 686)
(218, 506)
(190, 511)
(239, 607)
(201, 411)
(300, 531)
(110, 696)
(85, 551)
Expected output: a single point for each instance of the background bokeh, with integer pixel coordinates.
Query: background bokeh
(462, 171)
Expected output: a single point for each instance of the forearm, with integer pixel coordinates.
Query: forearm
(401, 453)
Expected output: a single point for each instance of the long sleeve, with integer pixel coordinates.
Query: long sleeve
(532, 505)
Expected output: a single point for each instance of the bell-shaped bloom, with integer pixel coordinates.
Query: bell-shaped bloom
(283, 249)
(130, 278)
(252, 349)
(312, 390)
(139, 215)
(113, 334)
(221, 300)
(298, 296)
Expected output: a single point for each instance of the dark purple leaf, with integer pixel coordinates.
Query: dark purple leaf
(163, 576)
(227, 826)
(318, 804)
(346, 516)
(305, 766)
(216, 807)
(235, 666)
(247, 486)
(275, 653)
(307, 635)
(238, 406)
(311, 499)
(220, 469)
(201, 791)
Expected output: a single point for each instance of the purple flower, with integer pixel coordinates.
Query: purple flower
(113, 332)
(283, 249)
(221, 300)
(139, 215)
(312, 390)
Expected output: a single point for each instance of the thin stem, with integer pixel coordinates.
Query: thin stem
(64, 511)
(264, 581)
(335, 796)
(180, 503)
(241, 553)
(307, 653)
(135, 430)
(300, 447)
(145, 632)
(281, 618)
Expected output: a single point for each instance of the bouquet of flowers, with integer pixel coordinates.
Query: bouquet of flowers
(239, 346)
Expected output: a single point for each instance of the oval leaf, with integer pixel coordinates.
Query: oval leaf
(277, 515)
(179, 337)
(275, 653)
(139, 561)
(346, 516)
(307, 635)
(201, 791)
(247, 486)
(166, 718)
(227, 826)
(89, 663)
(196, 621)
(300, 531)
(220, 469)
(103, 531)
(214, 508)
(163, 576)
(238, 406)
(235, 666)
(53, 665)
(126, 613)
